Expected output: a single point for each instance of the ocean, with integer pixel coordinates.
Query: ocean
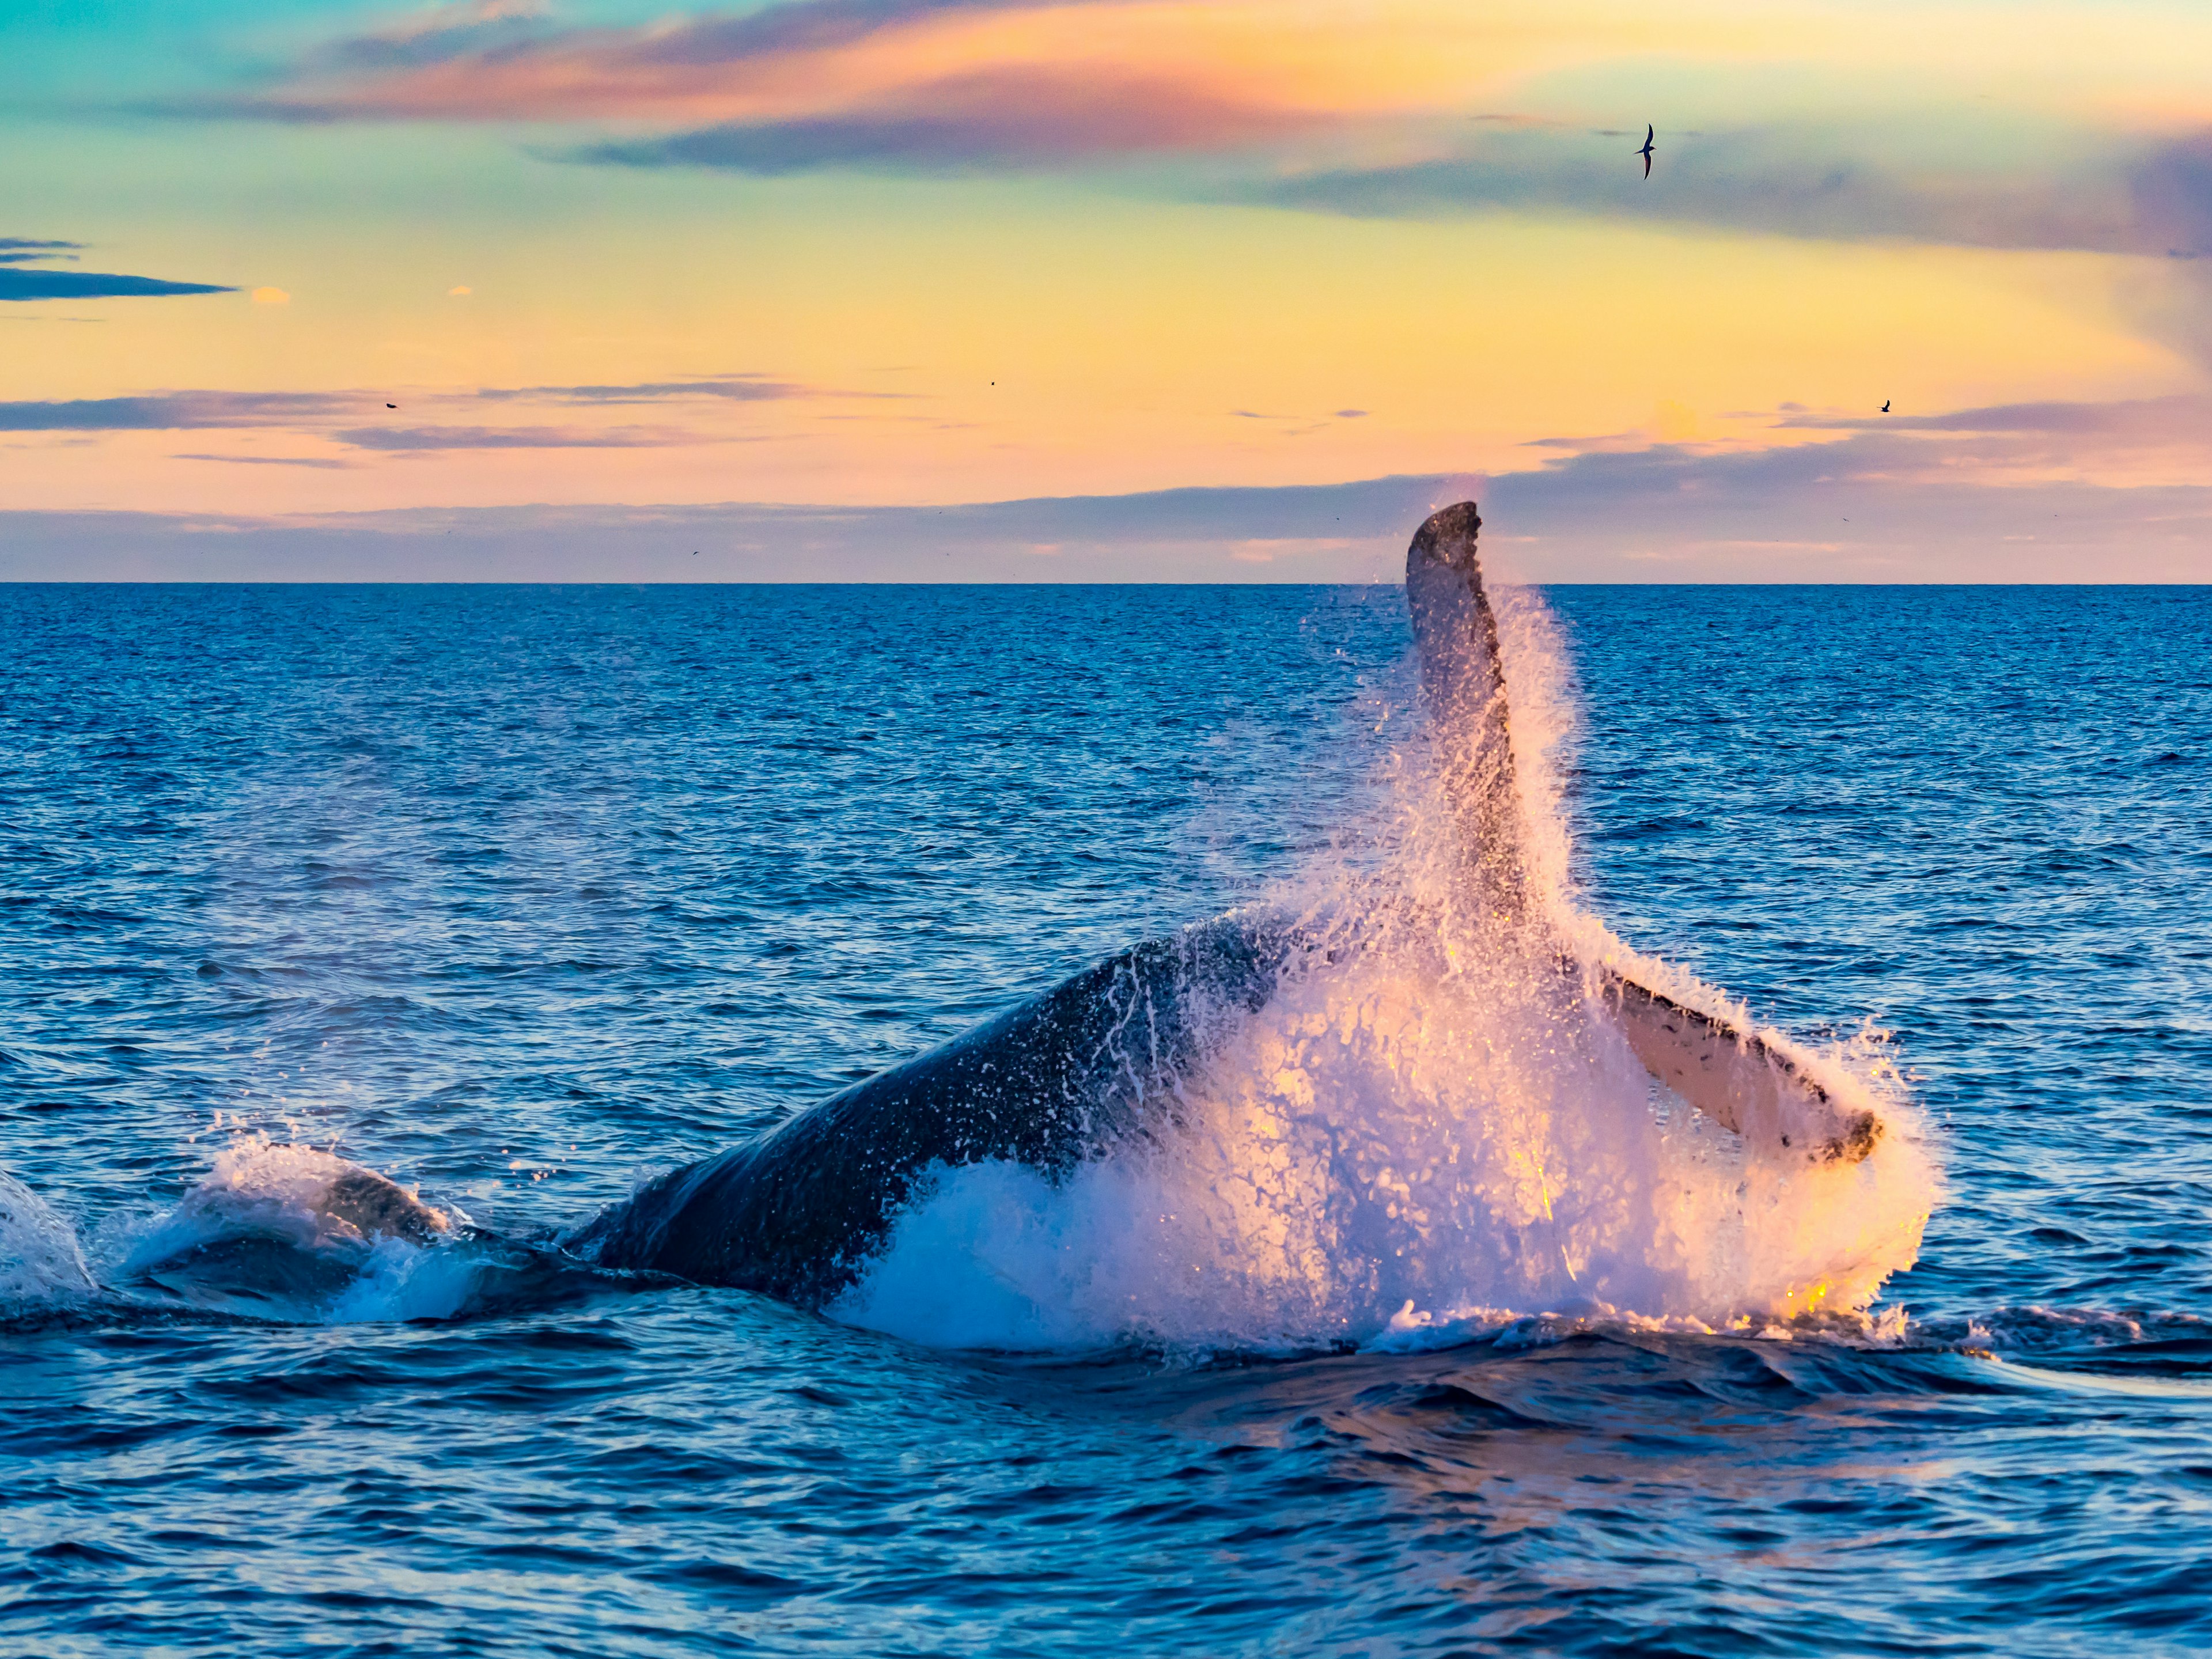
(521, 896)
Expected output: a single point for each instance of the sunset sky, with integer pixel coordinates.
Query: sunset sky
(1214, 291)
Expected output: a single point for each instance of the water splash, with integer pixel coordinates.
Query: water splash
(1430, 1127)
(283, 1232)
(41, 1264)
(280, 1230)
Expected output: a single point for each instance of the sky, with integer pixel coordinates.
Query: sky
(1171, 290)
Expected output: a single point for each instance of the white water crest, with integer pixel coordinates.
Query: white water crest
(288, 1231)
(1430, 1128)
(41, 1265)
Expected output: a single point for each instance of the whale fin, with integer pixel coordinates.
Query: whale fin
(1457, 638)
(1737, 1079)
(1734, 1077)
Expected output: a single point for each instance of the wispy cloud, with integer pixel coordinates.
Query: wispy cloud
(881, 85)
(2139, 198)
(23, 250)
(437, 35)
(496, 62)
(326, 463)
(734, 388)
(513, 38)
(339, 418)
(1002, 119)
(1873, 506)
(2007, 492)
(173, 411)
(425, 438)
(2132, 416)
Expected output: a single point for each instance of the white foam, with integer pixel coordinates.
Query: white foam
(1430, 1136)
(40, 1262)
(272, 1188)
(321, 1258)
(401, 1281)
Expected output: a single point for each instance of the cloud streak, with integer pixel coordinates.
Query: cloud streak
(438, 36)
(2151, 199)
(1002, 120)
(326, 462)
(22, 279)
(338, 417)
(173, 411)
(495, 63)
(874, 85)
(733, 388)
(23, 250)
(2135, 416)
(17, 283)
(421, 439)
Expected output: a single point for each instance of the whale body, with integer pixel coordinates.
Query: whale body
(257, 1239)
(1105, 1060)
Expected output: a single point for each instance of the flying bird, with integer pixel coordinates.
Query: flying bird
(1650, 132)
(392, 405)
(1885, 405)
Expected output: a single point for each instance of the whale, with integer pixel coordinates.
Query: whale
(1108, 1060)
(301, 1234)
(290, 1231)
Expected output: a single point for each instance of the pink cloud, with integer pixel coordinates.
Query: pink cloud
(902, 83)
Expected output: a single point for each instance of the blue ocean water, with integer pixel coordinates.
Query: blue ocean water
(522, 895)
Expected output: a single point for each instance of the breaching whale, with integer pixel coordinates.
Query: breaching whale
(1103, 1060)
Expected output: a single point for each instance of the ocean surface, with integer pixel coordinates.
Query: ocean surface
(519, 896)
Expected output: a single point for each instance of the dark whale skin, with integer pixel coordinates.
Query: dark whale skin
(1096, 1061)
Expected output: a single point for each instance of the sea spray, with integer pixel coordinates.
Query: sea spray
(41, 1264)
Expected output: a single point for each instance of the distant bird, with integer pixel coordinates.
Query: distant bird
(392, 405)
(1885, 405)
(1650, 132)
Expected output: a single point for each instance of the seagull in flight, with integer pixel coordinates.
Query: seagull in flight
(1885, 405)
(1649, 133)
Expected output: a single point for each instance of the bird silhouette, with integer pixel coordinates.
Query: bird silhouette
(1650, 132)
(1885, 405)
(392, 405)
